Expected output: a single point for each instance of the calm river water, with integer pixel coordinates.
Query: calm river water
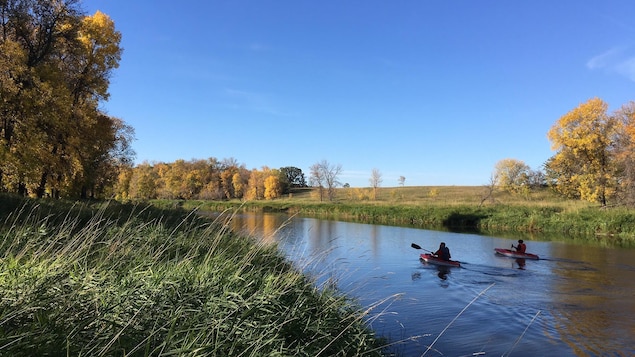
(578, 300)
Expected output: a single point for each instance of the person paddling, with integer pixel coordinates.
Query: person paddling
(521, 247)
(443, 252)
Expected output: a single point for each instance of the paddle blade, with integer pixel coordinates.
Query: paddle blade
(415, 246)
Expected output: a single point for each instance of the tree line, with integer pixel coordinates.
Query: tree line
(210, 179)
(55, 68)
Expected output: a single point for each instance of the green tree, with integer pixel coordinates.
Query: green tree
(292, 177)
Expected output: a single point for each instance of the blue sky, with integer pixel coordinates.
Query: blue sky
(437, 91)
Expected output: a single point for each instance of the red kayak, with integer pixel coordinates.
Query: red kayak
(514, 254)
(431, 259)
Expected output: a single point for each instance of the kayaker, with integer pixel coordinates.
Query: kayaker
(443, 252)
(521, 247)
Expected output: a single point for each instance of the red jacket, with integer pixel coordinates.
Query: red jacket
(521, 248)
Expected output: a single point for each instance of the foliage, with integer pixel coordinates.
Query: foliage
(134, 281)
(512, 175)
(56, 63)
(584, 165)
(273, 187)
(209, 179)
(625, 154)
(292, 177)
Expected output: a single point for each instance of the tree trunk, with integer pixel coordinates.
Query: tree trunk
(42, 186)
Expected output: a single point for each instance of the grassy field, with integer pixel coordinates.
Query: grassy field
(536, 215)
(105, 279)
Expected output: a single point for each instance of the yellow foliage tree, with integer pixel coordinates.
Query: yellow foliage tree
(584, 165)
(512, 175)
(226, 181)
(237, 183)
(55, 66)
(273, 187)
(256, 184)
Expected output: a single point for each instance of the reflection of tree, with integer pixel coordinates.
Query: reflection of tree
(269, 228)
(320, 236)
(262, 226)
(374, 238)
(593, 301)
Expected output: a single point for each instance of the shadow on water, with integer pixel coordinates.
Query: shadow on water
(463, 223)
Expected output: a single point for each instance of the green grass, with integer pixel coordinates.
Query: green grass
(105, 279)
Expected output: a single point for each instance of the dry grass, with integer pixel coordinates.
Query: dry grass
(441, 196)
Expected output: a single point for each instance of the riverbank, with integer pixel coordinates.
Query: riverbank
(111, 279)
(459, 210)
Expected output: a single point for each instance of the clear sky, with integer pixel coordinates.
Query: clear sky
(437, 91)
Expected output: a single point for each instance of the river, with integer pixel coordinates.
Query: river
(577, 300)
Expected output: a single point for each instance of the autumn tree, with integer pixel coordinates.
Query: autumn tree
(625, 153)
(171, 177)
(536, 179)
(226, 178)
(375, 181)
(325, 176)
(512, 175)
(584, 165)
(489, 189)
(210, 171)
(122, 186)
(317, 179)
(56, 64)
(256, 184)
(238, 185)
(240, 181)
(144, 182)
(273, 186)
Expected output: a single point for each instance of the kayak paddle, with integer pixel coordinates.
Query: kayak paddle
(416, 246)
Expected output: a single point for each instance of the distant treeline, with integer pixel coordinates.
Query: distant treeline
(209, 179)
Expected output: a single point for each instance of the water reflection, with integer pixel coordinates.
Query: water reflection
(443, 272)
(595, 292)
(582, 295)
(521, 263)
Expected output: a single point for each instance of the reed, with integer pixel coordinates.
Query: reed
(116, 280)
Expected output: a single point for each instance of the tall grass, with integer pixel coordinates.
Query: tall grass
(111, 281)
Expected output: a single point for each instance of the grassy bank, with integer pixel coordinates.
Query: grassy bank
(116, 280)
(460, 209)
